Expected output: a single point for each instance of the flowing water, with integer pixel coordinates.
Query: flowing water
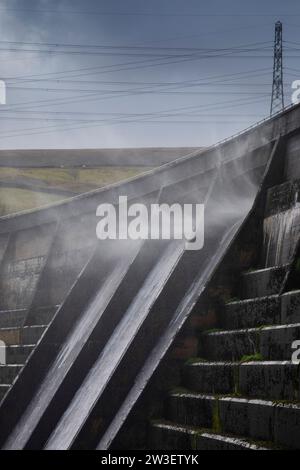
(66, 357)
(281, 232)
(116, 347)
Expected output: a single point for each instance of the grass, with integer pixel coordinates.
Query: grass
(15, 200)
(72, 177)
(76, 180)
(212, 330)
(252, 358)
(233, 299)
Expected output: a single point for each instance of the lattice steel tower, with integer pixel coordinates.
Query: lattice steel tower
(277, 102)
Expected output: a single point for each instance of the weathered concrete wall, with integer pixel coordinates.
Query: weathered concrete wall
(23, 260)
(72, 245)
(293, 159)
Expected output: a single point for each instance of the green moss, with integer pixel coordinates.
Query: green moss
(154, 421)
(297, 265)
(251, 270)
(193, 441)
(296, 383)
(212, 330)
(216, 421)
(285, 402)
(233, 299)
(195, 360)
(252, 358)
(236, 378)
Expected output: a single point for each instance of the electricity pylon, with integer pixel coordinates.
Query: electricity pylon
(277, 101)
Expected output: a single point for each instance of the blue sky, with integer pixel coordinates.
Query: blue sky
(133, 73)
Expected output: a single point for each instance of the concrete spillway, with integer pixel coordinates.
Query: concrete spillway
(118, 307)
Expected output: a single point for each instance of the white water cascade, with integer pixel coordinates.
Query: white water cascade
(281, 232)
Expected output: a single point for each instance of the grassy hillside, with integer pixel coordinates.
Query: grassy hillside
(15, 200)
(29, 188)
(92, 158)
(77, 179)
(34, 178)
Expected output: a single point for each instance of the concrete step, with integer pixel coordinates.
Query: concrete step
(8, 373)
(252, 312)
(210, 377)
(170, 436)
(276, 380)
(19, 335)
(272, 343)
(262, 282)
(3, 390)
(254, 418)
(290, 307)
(273, 309)
(16, 318)
(16, 354)
(260, 311)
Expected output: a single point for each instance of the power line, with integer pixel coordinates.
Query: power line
(94, 96)
(75, 128)
(81, 91)
(136, 47)
(126, 122)
(201, 54)
(94, 70)
(247, 74)
(167, 14)
(158, 56)
(168, 113)
(57, 119)
(219, 105)
(111, 68)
